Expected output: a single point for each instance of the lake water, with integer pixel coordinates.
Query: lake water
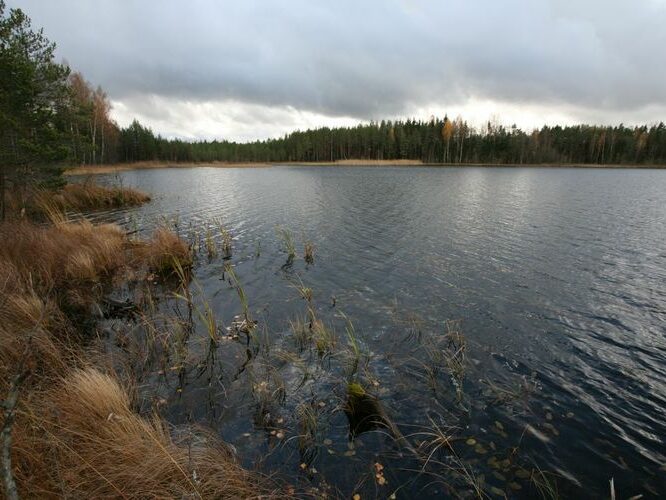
(555, 277)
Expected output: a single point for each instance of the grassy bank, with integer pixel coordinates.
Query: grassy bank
(122, 167)
(69, 426)
(37, 203)
(143, 165)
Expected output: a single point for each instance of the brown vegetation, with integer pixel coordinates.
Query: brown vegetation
(90, 196)
(75, 433)
(141, 165)
(78, 197)
(164, 252)
(81, 439)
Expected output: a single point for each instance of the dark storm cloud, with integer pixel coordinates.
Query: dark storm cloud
(367, 59)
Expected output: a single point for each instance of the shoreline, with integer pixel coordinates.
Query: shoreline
(145, 165)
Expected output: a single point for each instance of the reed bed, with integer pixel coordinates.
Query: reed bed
(89, 195)
(82, 439)
(164, 253)
(76, 434)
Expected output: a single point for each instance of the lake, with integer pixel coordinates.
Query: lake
(509, 322)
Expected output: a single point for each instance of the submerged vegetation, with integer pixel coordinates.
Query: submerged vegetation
(88, 379)
(76, 431)
(79, 428)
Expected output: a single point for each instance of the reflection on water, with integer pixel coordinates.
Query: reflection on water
(556, 275)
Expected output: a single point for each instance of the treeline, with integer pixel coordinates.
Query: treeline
(433, 141)
(51, 117)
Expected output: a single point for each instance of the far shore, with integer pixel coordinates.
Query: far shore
(122, 167)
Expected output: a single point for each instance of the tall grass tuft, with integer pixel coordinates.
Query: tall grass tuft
(82, 440)
(89, 195)
(163, 250)
(288, 243)
(309, 252)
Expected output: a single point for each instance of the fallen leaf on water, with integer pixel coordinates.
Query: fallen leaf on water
(522, 474)
(499, 476)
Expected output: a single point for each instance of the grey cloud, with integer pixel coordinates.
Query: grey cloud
(367, 59)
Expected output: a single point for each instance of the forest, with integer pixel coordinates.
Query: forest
(51, 117)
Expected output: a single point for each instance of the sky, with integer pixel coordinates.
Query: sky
(248, 69)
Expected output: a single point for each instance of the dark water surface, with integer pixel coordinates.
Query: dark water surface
(557, 278)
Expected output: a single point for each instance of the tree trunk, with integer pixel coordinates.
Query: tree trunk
(2, 193)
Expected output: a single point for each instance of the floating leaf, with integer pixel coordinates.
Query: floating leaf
(522, 473)
(499, 476)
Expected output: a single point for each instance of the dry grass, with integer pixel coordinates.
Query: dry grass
(76, 435)
(27, 320)
(89, 196)
(46, 271)
(81, 439)
(55, 256)
(164, 253)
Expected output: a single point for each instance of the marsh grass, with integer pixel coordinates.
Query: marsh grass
(288, 244)
(227, 241)
(88, 195)
(354, 350)
(164, 252)
(301, 332)
(322, 336)
(545, 483)
(455, 354)
(308, 427)
(209, 243)
(309, 252)
(269, 393)
(242, 297)
(507, 394)
(81, 439)
(201, 308)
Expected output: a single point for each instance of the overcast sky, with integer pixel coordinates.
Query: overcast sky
(248, 69)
